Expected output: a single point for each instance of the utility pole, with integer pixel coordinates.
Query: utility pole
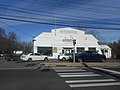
(74, 42)
(33, 44)
(55, 20)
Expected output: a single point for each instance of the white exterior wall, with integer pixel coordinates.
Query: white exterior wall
(63, 37)
(108, 49)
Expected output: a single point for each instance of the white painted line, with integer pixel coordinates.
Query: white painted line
(76, 73)
(83, 81)
(107, 70)
(70, 70)
(85, 75)
(58, 68)
(94, 85)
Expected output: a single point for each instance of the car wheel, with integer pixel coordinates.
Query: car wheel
(63, 59)
(103, 60)
(30, 60)
(80, 60)
(45, 59)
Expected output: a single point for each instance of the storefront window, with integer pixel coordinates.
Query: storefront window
(92, 49)
(45, 51)
(80, 49)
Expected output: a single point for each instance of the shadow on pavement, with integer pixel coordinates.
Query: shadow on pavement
(30, 65)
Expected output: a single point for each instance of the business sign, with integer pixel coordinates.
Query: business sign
(68, 31)
(67, 40)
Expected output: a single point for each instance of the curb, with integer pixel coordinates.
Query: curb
(106, 64)
(118, 77)
(62, 64)
(83, 64)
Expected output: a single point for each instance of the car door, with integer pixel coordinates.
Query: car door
(93, 56)
(38, 56)
(33, 56)
(87, 56)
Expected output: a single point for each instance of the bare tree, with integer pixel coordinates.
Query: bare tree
(115, 49)
(10, 43)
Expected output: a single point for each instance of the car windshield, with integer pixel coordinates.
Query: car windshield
(89, 52)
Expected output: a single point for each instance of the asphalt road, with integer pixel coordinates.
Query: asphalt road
(88, 79)
(37, 79)
(59, 78)
(17, 75)
(19, 64)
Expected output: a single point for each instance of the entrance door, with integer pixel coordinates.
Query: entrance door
(67, 51)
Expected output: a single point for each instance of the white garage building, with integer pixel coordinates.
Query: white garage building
(60, 41)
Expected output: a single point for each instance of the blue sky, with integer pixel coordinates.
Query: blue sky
(79, 12)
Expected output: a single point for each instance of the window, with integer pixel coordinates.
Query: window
(92, 49)
(80, 49)
(45, 51)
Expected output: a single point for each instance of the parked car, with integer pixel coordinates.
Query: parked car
(89, 56)
(33, 57)
(64, 57)
(1, 56)
(12, 57)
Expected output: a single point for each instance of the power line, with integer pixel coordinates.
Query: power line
(17, 29)
(52, 20)
(69, 19)
(46, 12)
(79, 8)
(97, 5)
(47, 23)
(64, 16)
(38, 14)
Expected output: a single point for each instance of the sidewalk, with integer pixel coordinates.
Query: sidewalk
(102, 64)
(61, 64)
(78, 64)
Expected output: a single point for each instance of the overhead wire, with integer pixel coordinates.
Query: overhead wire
(67, 19)
(46, 12)
(25, 12)
(17, 29)
(48, 23)
(79, 8)
(87, 4)
(52, 20)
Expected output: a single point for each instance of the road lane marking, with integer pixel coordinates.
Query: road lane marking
(75, 73)
(70, 70)
(66, 68)
(107, 70)
(95, 85)
(83, 81)
(84, 75)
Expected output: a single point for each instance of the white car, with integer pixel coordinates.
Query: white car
(33, 57)
(64, 57)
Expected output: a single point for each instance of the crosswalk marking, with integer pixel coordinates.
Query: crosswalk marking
(83, 81)
(58, 68)
(94, 85)
(70, 70)
(74, 76)
(84, 75)
(75, 73)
